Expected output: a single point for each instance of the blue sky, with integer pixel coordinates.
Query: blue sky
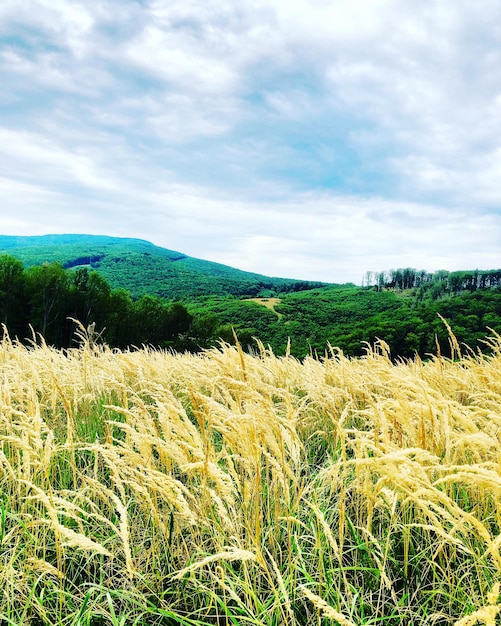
(315, 139)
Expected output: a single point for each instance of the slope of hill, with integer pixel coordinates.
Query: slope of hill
(143, 268)
(349, 317)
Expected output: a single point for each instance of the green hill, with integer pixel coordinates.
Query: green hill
(402, 308)
(350, 318)
(143, 268)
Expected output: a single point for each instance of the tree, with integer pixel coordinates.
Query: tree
(203, 331)
(11, 294)
(47, 289)
(179, 322)
(119, 321)
(151, 321)
(90, 298)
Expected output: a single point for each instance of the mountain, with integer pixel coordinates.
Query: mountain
(143, 268)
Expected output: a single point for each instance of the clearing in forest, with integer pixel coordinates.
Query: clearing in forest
(269, 303)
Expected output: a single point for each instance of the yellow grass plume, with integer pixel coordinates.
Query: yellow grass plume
(227, 487)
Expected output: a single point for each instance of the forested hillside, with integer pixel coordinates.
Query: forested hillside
(348, 317)
(143, 268)
(45, 299)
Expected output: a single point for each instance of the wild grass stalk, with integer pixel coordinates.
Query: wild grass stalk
(146, 487)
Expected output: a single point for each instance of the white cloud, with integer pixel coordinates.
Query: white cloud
(181, 61)
(54, 164)
(310, 138)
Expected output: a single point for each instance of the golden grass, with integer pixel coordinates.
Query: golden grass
(269, 303)
(228, 488)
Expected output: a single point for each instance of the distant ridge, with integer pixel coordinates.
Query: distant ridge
(144, 268)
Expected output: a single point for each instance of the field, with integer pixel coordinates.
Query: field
(245, 489)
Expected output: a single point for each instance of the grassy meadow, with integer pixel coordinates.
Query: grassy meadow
(144, 487)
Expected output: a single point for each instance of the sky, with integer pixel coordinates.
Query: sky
(311, 139)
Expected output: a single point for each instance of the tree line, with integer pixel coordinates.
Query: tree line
(45, 300)
(434, 284)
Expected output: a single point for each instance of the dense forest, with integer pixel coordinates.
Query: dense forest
(44, 300)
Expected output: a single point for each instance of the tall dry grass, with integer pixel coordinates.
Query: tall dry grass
(226, 488)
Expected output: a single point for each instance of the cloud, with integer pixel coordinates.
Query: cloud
(306, 138)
